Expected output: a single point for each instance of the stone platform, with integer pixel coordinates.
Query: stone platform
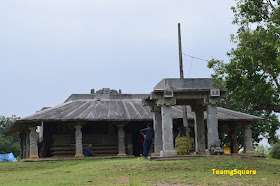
(74, 158)
(182, 157)
(154, 158)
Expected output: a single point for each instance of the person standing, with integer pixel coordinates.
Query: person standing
(148, 134)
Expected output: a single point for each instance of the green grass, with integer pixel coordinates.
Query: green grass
(136, 171)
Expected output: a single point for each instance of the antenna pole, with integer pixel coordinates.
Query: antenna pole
(184, 108)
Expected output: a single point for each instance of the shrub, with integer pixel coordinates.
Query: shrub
(262, 149)
(275, 151)
(183, 144)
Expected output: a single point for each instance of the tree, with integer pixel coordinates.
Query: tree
(254, 66)
(252, 73)
(11, 143)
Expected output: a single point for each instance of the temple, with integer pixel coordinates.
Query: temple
(111, 122)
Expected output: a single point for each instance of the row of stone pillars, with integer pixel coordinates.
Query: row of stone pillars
(79, 139)
(163, 127)
(29, 142)
(247, 140)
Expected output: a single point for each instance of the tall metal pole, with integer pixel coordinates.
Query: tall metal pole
(180, 52)
(184, 109)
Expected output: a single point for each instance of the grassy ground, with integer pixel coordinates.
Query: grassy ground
(136, 171)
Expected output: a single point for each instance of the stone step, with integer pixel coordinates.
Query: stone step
(63, 153)
(69, 149)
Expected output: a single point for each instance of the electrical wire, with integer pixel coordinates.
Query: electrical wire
(193, 57)
(190, 68)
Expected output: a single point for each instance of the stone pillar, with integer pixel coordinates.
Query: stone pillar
(233, 141)
(157, 120)
(121, 142)
(24, 146)
(21, 145)
(248, 145)
(212, 125)
(33, 152)
(27, 145)
(199, 129)
(167, 132)
(79, 143)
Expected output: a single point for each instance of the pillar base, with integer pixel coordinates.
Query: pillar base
(155, 154)
(79, 155)
(200, 152)
(34, 157)
(168, 153)
(121, 155)
(249, 152)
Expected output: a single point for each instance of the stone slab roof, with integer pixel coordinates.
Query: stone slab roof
(113, 107)
(96, 109)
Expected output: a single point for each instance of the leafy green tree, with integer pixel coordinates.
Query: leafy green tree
(254, 66)
(252, 73)
(10, 143)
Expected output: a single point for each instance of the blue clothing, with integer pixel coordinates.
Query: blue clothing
(87, 152)
(149, 132)
(147, 146)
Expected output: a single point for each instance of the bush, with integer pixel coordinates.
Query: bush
(261, 149)
(10, 143)
(183, 145)
(275, 151)
(7, 146)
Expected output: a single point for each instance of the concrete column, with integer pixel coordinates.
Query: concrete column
(121, 142)
(248, 145)
(157, 120)
(33, 152)
(212, 125)
(167, 132)
(199, 129)
(79, 141)
(27, 145)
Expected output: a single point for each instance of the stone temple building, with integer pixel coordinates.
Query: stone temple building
(111, 121)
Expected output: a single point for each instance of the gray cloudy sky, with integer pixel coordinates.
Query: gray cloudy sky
(53, 48)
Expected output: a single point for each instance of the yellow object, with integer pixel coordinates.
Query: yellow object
(227, 150)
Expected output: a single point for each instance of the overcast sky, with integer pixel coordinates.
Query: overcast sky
(51, 49)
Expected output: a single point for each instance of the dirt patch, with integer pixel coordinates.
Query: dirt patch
(222, 182)
(123, 180)
(133, 166)
(169, 184)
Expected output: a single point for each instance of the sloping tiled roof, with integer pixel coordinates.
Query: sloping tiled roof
(117, 110)
(113, 107)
